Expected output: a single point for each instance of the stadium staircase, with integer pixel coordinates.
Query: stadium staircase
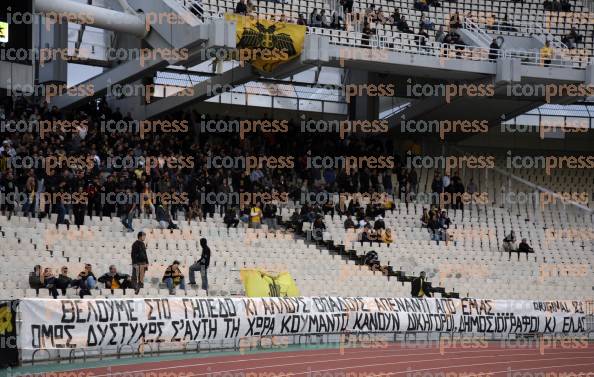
(351, 256)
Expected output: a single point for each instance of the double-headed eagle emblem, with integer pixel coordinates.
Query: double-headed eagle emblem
(266, 38)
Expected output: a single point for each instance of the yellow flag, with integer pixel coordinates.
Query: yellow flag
(259, 283)
(266, 44)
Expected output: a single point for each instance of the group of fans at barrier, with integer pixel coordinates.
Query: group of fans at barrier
(86, 281)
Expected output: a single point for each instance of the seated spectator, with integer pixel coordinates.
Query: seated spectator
(379, 223)
(301, 20)
(36, 278)
(444, 220)
(419, 287)
(50, 281)
(426, 24)
(230, 218)
(195, 212)
(421, 5)
(366, 234)
(146, 203)
(371, 259)
(395, 18)
(434, 228)
(509, 243)
(572, 38)
(328, 207)
(114, 280)
(173, 277)
(421, 40)
(455, 22)
(402, 25)
(349, 223)
(164, 218)
(241, 7)
(374, 235)
(336, 24)
(251, 8)
(85, 281)
(556, 6)
(314, 18)
(318, 228)
(366, 32)
(439, 36)
(524, 247)
(324, 21)
(425, 218)
(379, 16)
(565, 6)
(387, 236)
(547, 5)
(63, 281)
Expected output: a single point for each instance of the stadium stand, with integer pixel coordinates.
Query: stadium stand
(78, 194)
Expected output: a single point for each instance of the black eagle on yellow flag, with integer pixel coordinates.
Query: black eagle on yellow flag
(266, 44)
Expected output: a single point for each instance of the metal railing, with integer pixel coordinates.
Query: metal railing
(402, 43)
(193, 12)
(473, 27)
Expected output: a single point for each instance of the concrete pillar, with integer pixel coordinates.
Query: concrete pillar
(54, 39)
(362, 106)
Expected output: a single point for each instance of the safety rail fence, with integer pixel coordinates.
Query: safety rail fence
(537, 29)
(443, 51)
(193, 11)
(70, 330)
(472, 26)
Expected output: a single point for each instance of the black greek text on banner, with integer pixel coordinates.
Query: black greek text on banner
(52, 324)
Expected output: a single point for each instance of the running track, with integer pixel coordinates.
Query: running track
(482, 360)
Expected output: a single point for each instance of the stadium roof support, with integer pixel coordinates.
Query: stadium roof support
(102, 18)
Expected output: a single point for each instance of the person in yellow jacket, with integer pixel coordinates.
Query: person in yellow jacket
(387, 236)
(546, 54)
(255, 216)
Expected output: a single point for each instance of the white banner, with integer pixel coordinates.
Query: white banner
(52, 324)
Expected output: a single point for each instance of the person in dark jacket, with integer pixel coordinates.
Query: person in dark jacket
(524, 247)
(493, 50)
(114, 280)
(241, 8)
(36, 278)
(349, 223)
(379, 223)
(201, 265)
(139, 262)
(230, 218)
(49, 282)
(420, 287)
(63, 281)
(164, 218)
(85, 281)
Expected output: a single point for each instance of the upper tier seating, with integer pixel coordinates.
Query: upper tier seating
(527, 17)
